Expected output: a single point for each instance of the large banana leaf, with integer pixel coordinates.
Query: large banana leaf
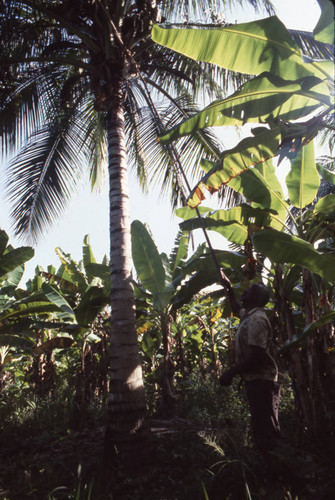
(14, 258)
(23, 310)
(3, 241)
(186, 213)
(146, 258)
(285, 248)
(296, 340)
(91, 303)
(261, 186)
(324, 30)
(258, 99)
(12, 279)
(59, 301)
(97, 270)
(326, 206)
(303, 179)
(232, 223)
(179, 253)
(194, 285)
(252, 48)
(16, 341)
(73, 270)
(55, 343)
(248, 152)
(88, 257)
(205, 263)
(17, 327)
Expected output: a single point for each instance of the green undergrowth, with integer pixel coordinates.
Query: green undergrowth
(51, 450)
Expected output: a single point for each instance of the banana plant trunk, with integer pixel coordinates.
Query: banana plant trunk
(127, 433)
(312, 366)
(317, 353)
(296, 369)
(168, 403)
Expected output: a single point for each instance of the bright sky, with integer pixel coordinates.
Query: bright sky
(88, 214)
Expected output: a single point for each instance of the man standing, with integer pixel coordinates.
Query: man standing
(255, 364)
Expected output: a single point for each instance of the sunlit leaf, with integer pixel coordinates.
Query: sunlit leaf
(232, 223)
(258, 99)
(14, 258)
(99, 270)
(303, 179)
(285, 248)
(91, 303)
(147, 261)
(58, 300)
(22, 310)
(324, 30)
(262, 45)
(261, 186)
(88, 257)
(248, 152)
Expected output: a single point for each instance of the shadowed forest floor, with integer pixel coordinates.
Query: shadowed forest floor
(199, 455)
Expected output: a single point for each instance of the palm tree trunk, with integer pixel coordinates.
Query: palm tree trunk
(127, 432)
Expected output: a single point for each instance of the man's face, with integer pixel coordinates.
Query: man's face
(246, 297)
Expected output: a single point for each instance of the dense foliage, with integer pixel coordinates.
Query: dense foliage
(58, 358)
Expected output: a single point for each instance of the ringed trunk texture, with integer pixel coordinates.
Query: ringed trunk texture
(127, 434)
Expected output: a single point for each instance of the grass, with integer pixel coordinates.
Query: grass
(204, 453)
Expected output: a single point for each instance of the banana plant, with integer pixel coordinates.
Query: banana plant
(12, 262)
(289, 99)
(168, 283)
(288, 86)
(57, 310)
(81, 298)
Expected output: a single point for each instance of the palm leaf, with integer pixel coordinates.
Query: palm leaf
(196, 9)
(42, 176)
(311, 47)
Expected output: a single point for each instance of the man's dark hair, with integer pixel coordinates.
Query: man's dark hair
(261, 292)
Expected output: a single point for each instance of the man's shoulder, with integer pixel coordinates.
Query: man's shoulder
(258, 314)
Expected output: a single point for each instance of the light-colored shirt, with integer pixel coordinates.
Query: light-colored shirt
(255, 330)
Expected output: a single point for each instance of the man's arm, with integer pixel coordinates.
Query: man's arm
(254, 355)
(235, 305)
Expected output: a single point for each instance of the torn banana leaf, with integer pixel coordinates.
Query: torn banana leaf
(248, 152)
(256, 101)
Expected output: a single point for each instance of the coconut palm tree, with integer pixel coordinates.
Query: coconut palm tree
(76, 77)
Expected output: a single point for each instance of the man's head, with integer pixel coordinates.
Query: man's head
(257, 295)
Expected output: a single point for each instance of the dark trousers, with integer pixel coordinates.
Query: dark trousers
(264, 397)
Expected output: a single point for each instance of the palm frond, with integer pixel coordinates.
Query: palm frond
(135, 148)
(160, 160)
(311, 47)
(93, 129)
(19, 114)
(43, 175)
(208, 9)
(173, 70)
